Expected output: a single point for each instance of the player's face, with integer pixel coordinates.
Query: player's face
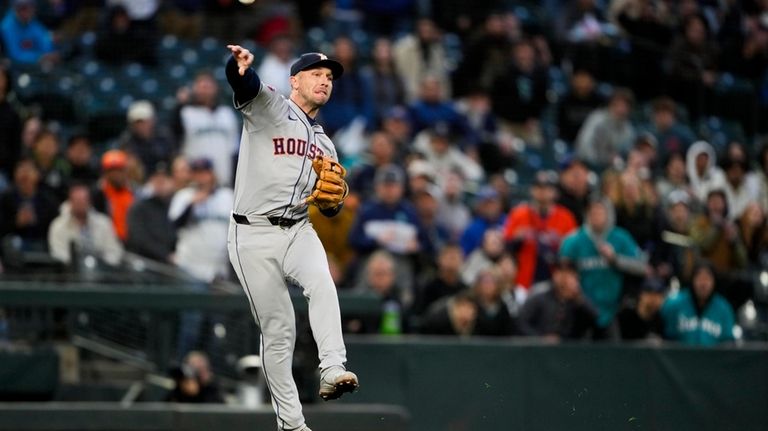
(314, 86)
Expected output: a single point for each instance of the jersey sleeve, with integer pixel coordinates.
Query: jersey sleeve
(260, 104)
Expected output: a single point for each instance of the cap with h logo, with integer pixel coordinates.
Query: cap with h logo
(313, 60)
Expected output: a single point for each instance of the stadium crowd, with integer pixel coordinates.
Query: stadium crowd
(562, 169)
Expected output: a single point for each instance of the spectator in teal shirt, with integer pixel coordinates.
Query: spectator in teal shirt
(603, 253)
(25, 39)
(699, 316)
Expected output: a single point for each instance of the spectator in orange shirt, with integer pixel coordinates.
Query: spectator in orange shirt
(533, 230)
(114, 194)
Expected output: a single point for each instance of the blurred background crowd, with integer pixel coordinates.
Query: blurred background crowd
(585, 169)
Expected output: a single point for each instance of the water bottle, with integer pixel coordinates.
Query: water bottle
(390, 319)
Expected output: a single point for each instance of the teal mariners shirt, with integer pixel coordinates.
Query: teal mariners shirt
(683, 323)
(601, 283)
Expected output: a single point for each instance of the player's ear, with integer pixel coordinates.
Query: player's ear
(294, 82)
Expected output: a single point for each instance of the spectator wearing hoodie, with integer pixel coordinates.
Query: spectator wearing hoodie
(603, 254)
(25, 39)
(703, 173)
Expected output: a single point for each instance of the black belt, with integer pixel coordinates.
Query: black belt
(275, 221)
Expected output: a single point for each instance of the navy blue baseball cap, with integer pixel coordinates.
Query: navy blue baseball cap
(201, 164)
(313, 60)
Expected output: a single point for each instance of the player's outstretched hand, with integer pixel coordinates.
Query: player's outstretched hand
(243, 57)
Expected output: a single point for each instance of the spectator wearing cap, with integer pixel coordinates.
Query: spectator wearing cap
(26, 209)
(699, 315)
(574, 188)
(673, 255)
(353, 98)
(639, 319)
(114, 192)
(608, 132)
(25, 39)
(81, 229)
(79, 156)
(421, 175)
(144, 139)
(150, 233)
(201, 213)
(603, 254)
(206, 128)
(560, 310)
(488, 214)
(534, 229)
(397, 124)
(390, 222)
(426, 201)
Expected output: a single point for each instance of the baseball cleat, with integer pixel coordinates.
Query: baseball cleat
(338, 386)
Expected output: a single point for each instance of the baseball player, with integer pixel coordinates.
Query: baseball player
(286, 163)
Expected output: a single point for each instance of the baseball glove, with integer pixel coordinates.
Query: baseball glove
(330, 189)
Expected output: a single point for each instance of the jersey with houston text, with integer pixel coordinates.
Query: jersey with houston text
(274, 168)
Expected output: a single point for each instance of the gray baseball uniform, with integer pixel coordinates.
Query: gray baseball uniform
(271, 240)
